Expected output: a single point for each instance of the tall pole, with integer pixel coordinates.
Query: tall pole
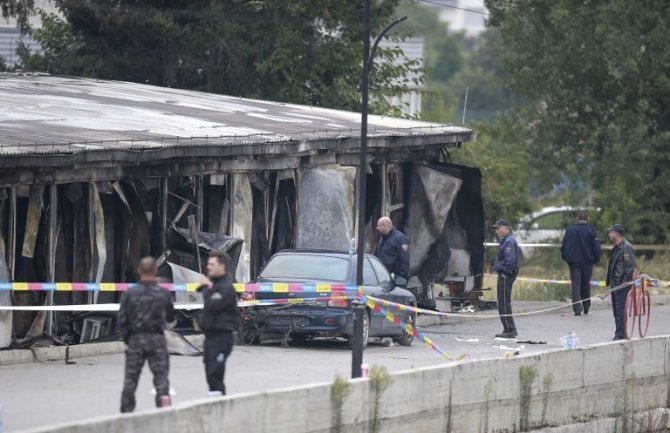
(358, 307)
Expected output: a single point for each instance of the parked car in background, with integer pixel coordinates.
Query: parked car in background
(546, 225)
(327, 318)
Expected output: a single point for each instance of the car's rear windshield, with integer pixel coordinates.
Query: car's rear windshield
(307, 267)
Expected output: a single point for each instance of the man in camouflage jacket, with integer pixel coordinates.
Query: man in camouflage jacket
(144, 310)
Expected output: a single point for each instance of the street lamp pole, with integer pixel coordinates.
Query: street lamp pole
(358, 307)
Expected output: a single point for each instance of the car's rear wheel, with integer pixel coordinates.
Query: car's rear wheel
(407, 338)
(366, 331)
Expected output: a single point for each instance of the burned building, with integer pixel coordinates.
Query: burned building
(96, 174)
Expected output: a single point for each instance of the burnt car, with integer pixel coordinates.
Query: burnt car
(319, 316)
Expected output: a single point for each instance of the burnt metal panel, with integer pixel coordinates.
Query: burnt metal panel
(326, 203)
(35, 205)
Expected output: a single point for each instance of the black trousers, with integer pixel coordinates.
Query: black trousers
(218, 346)
(580, 278)
(619, 310)
(505, 283)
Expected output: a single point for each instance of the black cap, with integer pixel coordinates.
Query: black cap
(501, 223)
(617, 228)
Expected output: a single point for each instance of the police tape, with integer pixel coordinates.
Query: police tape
(653, 282)
(180, 306)
(179, 287)
(403, 307)
(409, 328)
(595, 283)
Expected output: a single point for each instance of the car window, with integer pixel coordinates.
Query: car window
(307, 267)
(369, 277)
(383, 275)
(552, 221)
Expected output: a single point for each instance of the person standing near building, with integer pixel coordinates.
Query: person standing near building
(581, 250)
(393, 248)
(507, 267)
(143, 312)
(620, 270)
(219, 318)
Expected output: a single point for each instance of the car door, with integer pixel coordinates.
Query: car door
(371, 284)
(388, 291)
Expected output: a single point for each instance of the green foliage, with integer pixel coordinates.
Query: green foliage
(3, 64)
(527, 376)
(380, 380)
(601, 90)
(444, 52)
(294, 51)
(498, 153)
(455, 63)
(30, 61)
(20, 9)
(339, 392)
(61, 51)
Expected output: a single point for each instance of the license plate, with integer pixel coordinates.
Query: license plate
(287, 321)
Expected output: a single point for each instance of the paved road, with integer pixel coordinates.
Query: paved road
(40, 394)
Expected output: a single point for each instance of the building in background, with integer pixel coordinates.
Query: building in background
(466, 16)
(10, 35)
(413, 50)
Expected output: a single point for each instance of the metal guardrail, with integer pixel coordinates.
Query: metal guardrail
(639, 247)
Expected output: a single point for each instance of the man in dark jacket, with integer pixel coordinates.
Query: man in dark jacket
(620, 270)
(142, 315)
(507, 267)
(393, 248)
(581, 250)
(219, 318)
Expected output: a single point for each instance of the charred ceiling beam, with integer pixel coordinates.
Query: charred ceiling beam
(213, 149)
(192, 166)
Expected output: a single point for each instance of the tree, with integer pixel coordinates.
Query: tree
(293, 51)
(506, 178)
(20, 9)
(61, 51)
(598, 73)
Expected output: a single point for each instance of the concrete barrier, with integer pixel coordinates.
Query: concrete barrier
(560, 387)
(86, 350)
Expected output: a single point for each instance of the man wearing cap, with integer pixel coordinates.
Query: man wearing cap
(581, 250)
(507, 267)
(620, 269)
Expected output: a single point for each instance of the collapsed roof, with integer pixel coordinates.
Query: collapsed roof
(59, 128)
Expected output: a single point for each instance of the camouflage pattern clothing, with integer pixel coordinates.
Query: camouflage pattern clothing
(142, 315)
(141, 347)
